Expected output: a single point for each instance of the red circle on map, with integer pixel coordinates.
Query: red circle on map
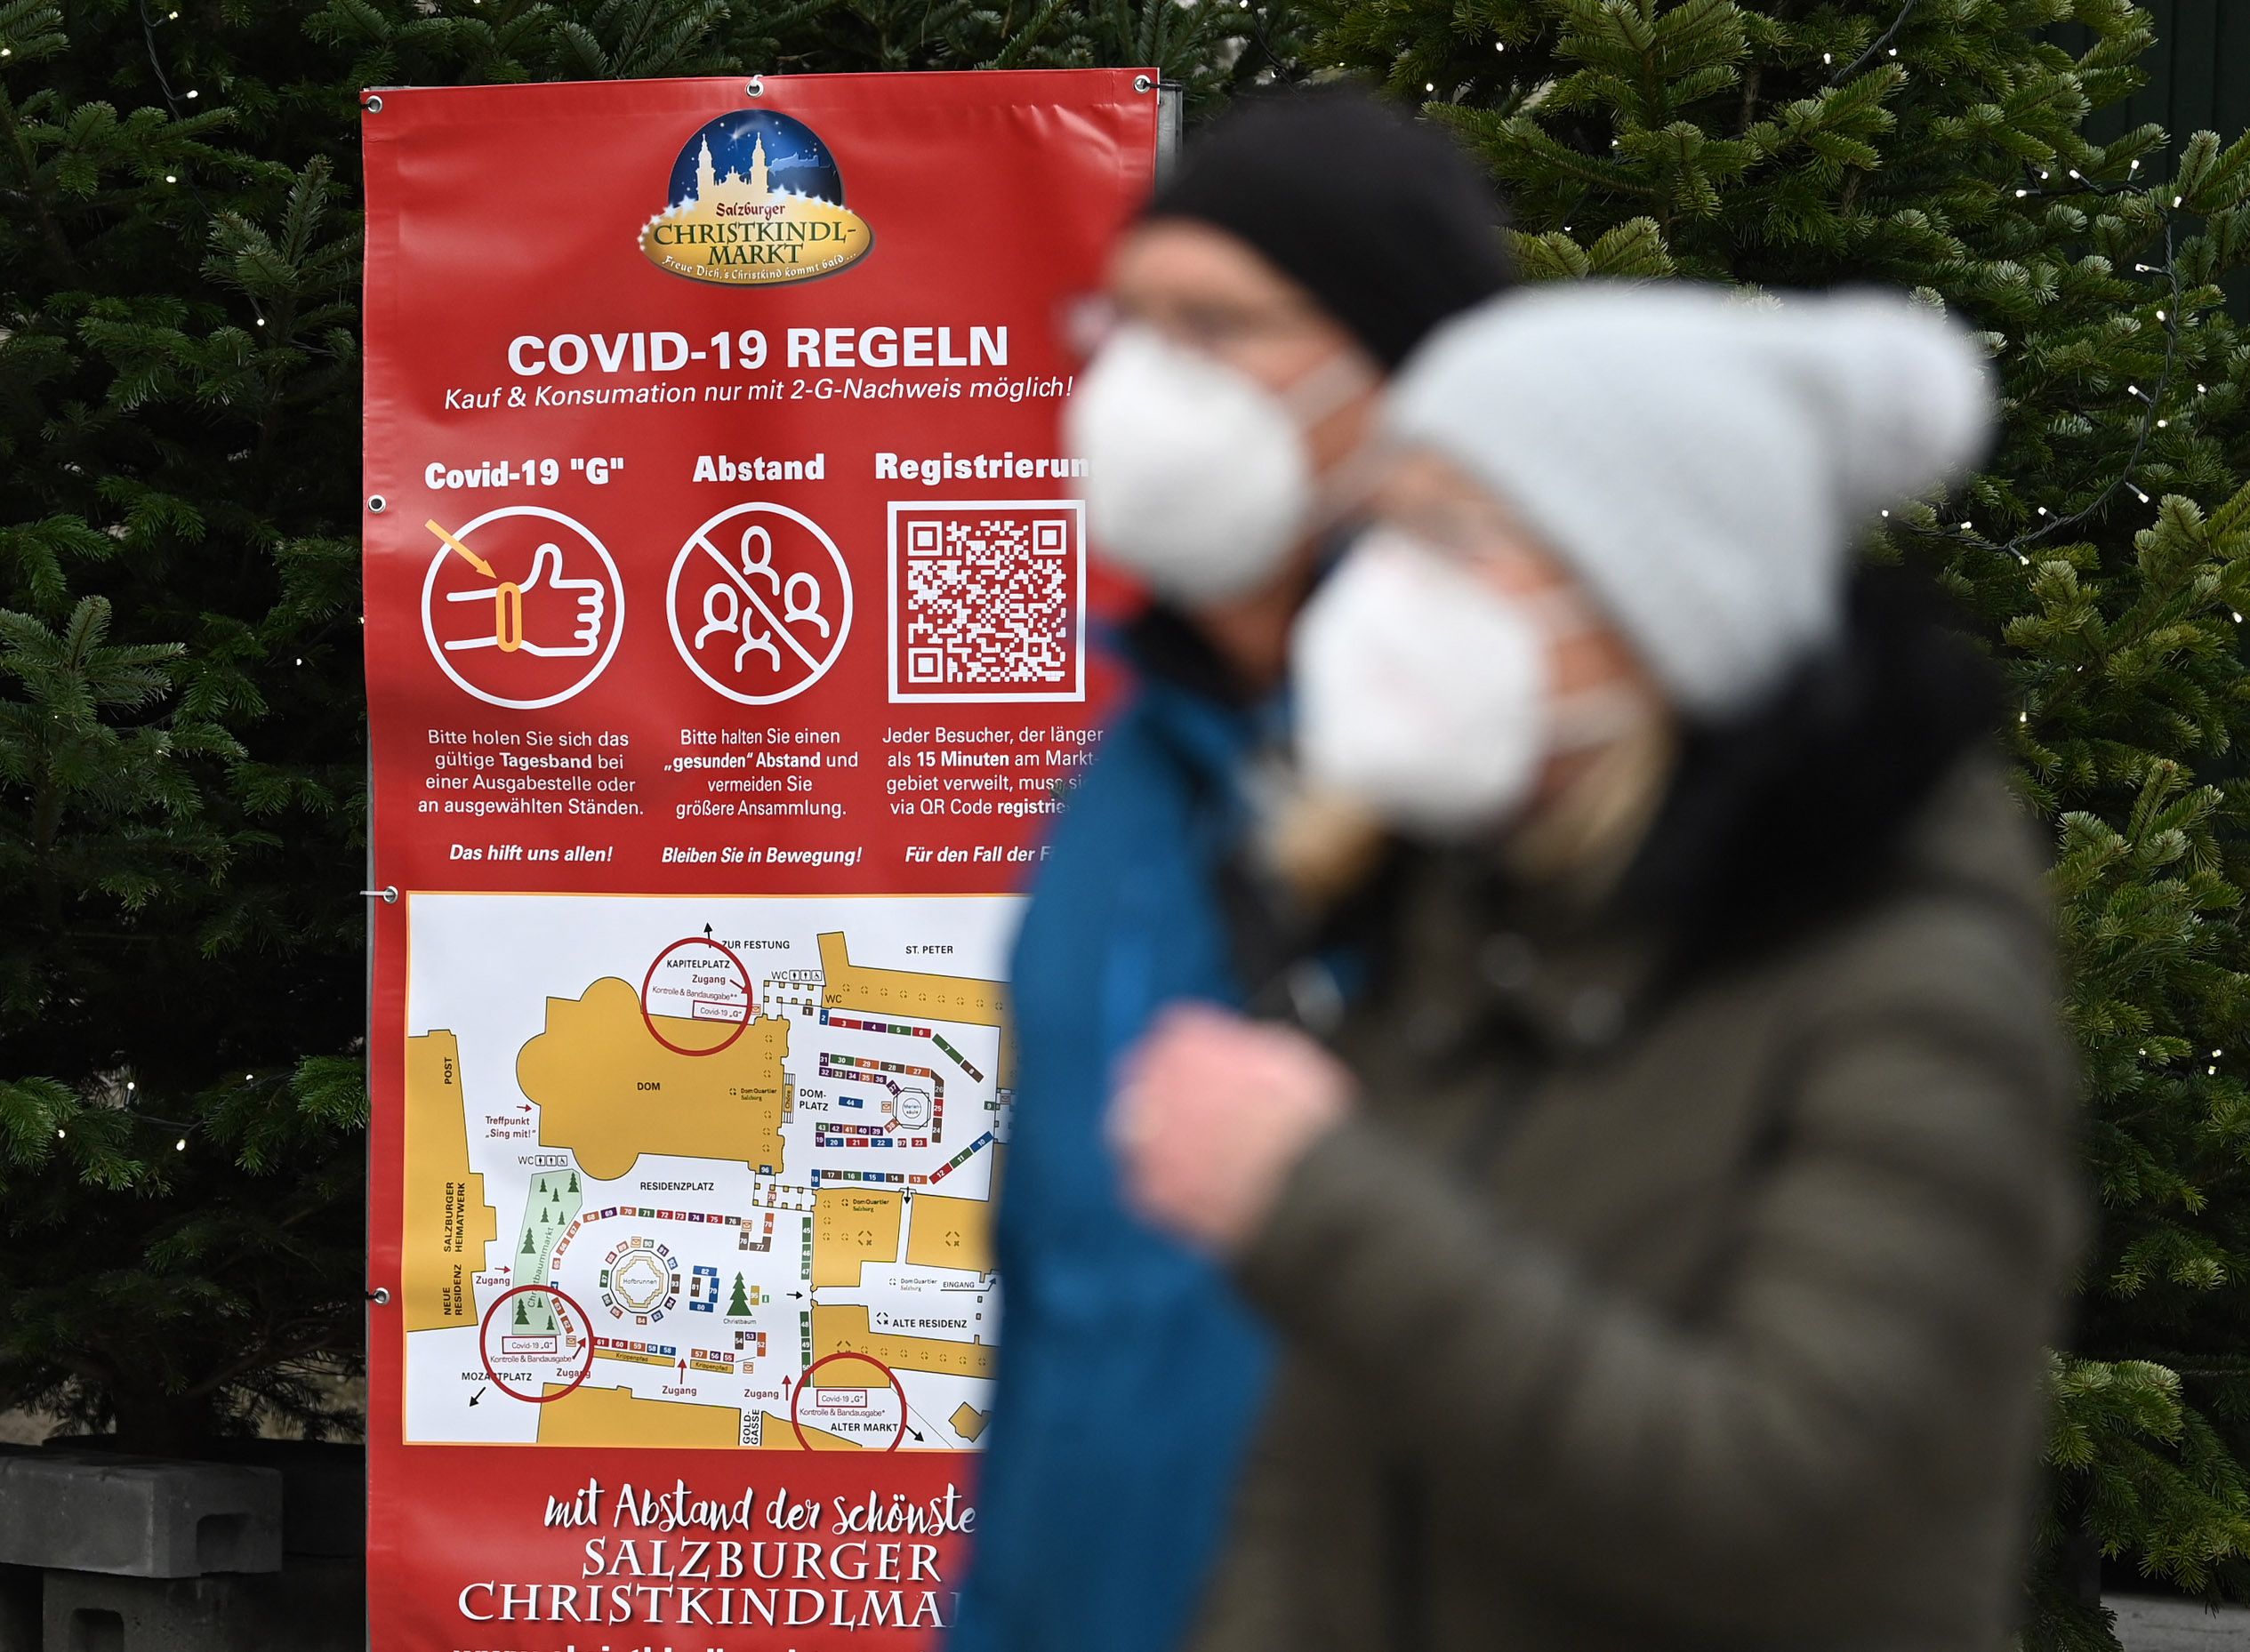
(484, 1330)
(806, 1381)
(750, 996)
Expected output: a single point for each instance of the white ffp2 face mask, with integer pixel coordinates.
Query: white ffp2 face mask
(1426, 694)
(1198, 477)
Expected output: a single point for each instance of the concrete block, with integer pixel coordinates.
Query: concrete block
(2153, 1623)
(324, 1486)
(318, 1604)
(324, 1492)
(137, 1517)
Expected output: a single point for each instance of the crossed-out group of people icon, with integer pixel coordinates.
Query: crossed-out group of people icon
(732, 603)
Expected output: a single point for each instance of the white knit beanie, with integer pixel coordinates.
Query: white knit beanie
(1701, 463)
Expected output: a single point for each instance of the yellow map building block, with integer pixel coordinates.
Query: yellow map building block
(774, 1434)
(847, 985)
(448, 1223)
(845, 1329)
(850, 1227)
(609, 1092)
(614, 1417)
(950, 1233)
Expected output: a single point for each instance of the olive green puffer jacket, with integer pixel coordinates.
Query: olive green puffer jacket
(1648, 1315)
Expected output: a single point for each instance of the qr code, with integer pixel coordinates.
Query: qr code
(987, 600)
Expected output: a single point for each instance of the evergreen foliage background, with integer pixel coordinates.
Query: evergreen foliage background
(181, 787)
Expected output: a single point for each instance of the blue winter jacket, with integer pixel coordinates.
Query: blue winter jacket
(1129, 1376)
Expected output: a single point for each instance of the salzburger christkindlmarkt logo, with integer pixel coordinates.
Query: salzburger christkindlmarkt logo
(755, 198)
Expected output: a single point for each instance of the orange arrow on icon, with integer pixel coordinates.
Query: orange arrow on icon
(475, 561)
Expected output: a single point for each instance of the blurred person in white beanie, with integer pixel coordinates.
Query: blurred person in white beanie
(1656, 1159)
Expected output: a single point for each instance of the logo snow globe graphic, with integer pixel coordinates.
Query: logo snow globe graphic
(755, 199)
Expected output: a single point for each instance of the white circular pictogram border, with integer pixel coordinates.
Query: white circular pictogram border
(616, 586)
(672, 602)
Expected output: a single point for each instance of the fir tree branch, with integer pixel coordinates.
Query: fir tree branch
(2018, 546)
(2149, 418)
(1876, 50)
(172, 102)
(59, 246)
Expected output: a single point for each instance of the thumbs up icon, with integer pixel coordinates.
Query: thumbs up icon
(571, 618)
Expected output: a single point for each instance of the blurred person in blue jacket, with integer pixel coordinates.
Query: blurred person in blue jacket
(1250, 318)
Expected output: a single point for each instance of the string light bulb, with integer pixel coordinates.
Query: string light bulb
(179, 1146)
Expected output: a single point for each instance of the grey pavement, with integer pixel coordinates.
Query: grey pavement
(2147, 1623)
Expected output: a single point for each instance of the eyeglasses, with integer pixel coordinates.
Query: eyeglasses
(1090, 320)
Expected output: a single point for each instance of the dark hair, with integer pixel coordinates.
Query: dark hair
(1776, 817)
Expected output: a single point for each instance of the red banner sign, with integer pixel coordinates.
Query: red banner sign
(727, 600)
